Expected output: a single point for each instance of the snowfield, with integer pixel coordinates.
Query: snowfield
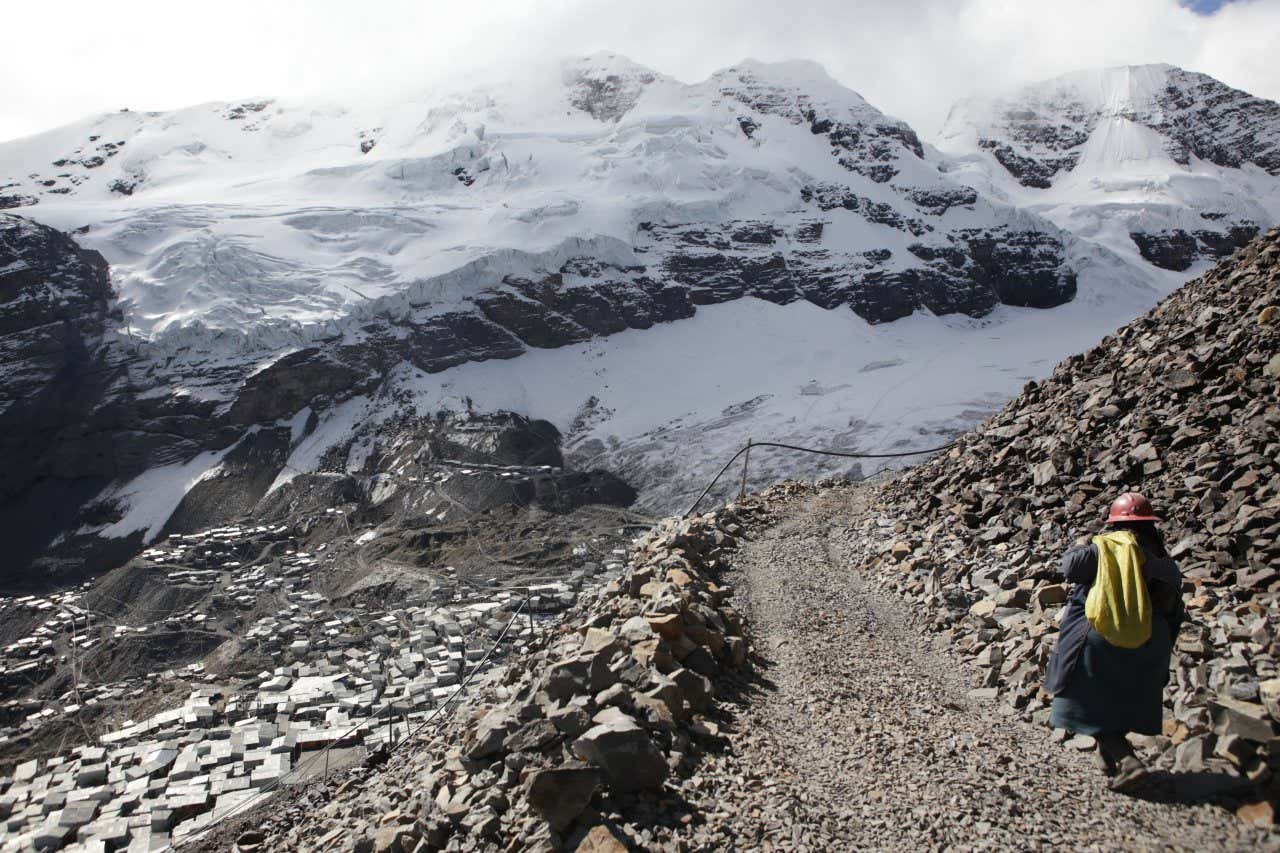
(239, 233)
(665, 408)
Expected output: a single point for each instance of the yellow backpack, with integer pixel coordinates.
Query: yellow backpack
(1119, 606)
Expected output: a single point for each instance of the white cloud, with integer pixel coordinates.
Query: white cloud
(912, 58)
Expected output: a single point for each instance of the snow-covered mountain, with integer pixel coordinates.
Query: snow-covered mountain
(1148, 160)
(279, 222)
(659, 269)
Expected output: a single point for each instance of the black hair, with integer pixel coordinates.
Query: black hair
(1148, 535)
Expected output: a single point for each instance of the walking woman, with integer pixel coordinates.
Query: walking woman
(1111, 663)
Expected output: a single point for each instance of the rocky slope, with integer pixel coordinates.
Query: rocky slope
(863, 734)
(1180, 404)
(1169, 164)
(571, 745)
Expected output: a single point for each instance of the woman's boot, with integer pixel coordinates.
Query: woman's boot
(1129, 773)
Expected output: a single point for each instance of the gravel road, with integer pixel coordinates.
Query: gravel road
(858, 733)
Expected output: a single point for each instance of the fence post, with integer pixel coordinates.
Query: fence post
(746, 458)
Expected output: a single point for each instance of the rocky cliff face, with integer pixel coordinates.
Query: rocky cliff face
(72, 417)
(1046, 130)
(1177, 250)
(55, 308)
(103, 446)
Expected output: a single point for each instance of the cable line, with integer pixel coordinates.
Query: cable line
(847, 454)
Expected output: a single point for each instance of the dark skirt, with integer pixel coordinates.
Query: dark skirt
(1115, 690)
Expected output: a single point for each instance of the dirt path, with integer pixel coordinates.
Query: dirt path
(861, 735)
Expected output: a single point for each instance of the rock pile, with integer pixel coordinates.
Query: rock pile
(578, 745)
(1182, 405)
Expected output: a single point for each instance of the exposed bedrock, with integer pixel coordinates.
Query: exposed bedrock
(1177, 249)
(70, 421)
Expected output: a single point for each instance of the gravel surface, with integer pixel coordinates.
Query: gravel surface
(857, 732)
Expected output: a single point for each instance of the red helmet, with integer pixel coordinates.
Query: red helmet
(1131, 506)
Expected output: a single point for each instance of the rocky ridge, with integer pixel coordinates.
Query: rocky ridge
(1180, 404)
(572, 744)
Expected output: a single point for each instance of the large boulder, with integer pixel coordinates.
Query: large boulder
(559, 794)
(624, 753)
(576, 676)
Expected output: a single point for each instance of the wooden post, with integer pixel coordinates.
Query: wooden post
(746, 458)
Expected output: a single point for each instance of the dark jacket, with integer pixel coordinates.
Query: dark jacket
(1080, 567)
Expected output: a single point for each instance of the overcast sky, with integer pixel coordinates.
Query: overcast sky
(912, 58)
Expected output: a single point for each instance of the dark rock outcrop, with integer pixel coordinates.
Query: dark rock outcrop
(1171, 250)
(72, 421)
(1034, 172)
(1177, 250)
(55, 308)
(862, 140)
(293, 382)
(830, 197)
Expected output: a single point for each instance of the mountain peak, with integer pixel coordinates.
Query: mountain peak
(797, 71)
(604, 63)
(606, 85)
(1153, 160)
(1044, 127)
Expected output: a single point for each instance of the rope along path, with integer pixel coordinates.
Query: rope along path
(847, 454)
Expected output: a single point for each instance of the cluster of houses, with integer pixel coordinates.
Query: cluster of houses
(344, 682)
